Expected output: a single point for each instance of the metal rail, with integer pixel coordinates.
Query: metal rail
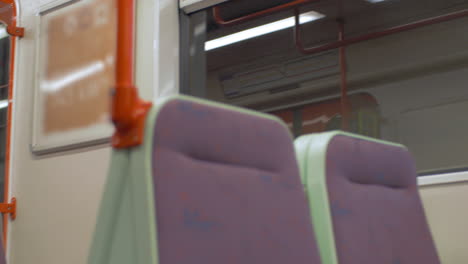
(342, 43)
(374, 35)
(219, 20)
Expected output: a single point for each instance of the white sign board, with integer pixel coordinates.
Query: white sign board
(75, 74)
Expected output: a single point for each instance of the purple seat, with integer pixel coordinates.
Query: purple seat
(375, 206)
(227, 188)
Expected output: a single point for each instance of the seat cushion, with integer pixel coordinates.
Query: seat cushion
(227, 188)
(373, 201)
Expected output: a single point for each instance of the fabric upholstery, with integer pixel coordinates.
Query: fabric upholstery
(376, 210)
(227, 189)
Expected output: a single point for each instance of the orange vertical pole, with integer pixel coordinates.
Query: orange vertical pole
(14, 32)
(125, 42)
(128, 110)
(6, 195)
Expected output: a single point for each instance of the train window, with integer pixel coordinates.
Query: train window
(4, 89)
(407, 87)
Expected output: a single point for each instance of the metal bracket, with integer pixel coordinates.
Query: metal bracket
(9, 208)
(15, 31)
(8, 17)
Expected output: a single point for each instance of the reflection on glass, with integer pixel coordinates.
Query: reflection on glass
(4, 85)
(398, 91)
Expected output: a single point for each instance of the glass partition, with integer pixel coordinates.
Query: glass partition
(408, 85)
(4, 89)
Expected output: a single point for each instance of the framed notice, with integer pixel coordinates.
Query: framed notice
(75, 74)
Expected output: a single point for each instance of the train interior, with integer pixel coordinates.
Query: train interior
(395, 82)
(408, 87)
(388, 76)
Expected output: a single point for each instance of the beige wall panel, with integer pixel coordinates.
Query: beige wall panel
(58, 194)
(447, 210)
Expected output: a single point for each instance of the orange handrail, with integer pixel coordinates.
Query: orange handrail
(10, 19)
(128, 110)
(374, 35)
(342, 43)
(219, 20)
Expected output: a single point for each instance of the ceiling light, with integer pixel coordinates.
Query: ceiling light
(375, 1)
(261, 30)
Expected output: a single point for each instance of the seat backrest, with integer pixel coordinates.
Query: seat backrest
(227, 188)
(373, 211)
